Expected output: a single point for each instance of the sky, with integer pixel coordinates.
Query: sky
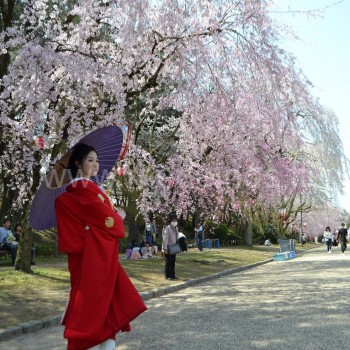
(324, 56)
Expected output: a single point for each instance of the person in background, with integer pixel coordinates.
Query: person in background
(130, 248)
(328, 238)
(335, 243)
(182, 242)
(150, 232)
(343, 238)
(267, 242)
(155, 248)
(199, 232)
(17, 234)
(7, 240)
(136, 253)
(147, 251)
(142, 247)
(170, 236)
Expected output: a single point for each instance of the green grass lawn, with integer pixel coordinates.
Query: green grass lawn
(44, 293)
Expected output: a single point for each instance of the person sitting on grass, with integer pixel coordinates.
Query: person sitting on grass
(267, 242)
(130, 248)
(154, 248)
(136, 253)
(147, 251)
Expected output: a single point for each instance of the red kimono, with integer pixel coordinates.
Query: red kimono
(102, 299)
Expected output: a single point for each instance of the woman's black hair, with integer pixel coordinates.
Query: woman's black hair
(17, 226)
(79, 154)
(172, 217)
(328, 228)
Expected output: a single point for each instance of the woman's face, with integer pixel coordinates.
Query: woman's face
(90, 165)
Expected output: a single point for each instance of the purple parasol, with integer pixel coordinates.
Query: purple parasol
(108, 143)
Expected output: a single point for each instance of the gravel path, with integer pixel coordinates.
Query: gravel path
(297, 304)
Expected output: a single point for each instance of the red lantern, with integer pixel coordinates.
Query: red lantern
(39, 142)
(282, 212)
(120, 171)
(126, 140)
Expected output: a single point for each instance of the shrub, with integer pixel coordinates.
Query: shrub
(221, 232)
(320, 238)
(123, 244)
(45, 249)
(233, 235)
(269, 232)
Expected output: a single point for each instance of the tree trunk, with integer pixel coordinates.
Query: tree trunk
(7, 197)
(248, 235)
(23, 259)
(133, 230)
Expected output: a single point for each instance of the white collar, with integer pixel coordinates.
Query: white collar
(79, 178)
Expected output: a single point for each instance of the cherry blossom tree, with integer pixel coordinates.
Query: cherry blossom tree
(221, 115)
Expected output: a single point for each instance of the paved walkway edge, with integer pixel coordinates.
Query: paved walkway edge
(35, 325)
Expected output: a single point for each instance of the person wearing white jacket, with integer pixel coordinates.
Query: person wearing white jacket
(328, 238)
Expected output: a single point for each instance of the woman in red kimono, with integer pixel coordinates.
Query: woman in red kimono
(102, 299)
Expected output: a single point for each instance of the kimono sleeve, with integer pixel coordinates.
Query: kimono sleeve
(99, 214)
